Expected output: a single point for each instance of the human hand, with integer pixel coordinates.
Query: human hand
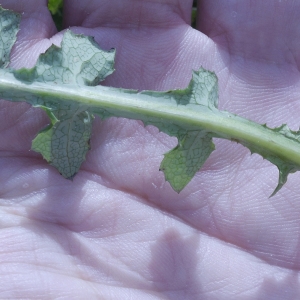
(118, 231)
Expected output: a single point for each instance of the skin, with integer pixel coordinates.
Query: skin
(118, 231)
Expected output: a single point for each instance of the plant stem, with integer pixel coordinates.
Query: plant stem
(133, 105)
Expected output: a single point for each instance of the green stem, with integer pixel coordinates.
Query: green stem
(131, 105)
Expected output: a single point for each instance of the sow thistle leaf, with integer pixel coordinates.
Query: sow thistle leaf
(9, 27)
(63, 83)
(65, 142)
(285, 167)
(194, 147)
(79, 61)
(181, 164)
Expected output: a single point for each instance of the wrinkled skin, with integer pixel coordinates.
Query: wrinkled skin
(118, 231)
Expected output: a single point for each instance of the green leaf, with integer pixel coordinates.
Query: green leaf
(9, 27)
(181, 163)
(65, 142)
(285, 167)
(194, 146)
(63, 84)
(56, 9)
(55, 5)
(79, 61)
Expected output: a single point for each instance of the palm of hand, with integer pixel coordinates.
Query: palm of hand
(118, 231)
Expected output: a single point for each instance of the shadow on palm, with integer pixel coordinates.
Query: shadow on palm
(117, 221)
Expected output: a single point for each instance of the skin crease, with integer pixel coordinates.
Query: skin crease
(118, 231)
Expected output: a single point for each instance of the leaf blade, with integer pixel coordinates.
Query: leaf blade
(64, 89)
(9, 27)
(65, 143)
(181, 163)
(79, 61)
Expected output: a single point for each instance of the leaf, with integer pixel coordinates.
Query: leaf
(65, 142)
(55, 5)
(79, 61)
(181, 163)
(9, 27)
(284, 166)
(56, 9)
(194, 146)
(63, 83)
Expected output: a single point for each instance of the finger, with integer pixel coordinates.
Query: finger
(36, 27)
(262, 30)
(152, 39)
(131, 13)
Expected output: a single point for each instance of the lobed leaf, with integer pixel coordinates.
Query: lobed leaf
(79, 61)
(63, 83)
(9, 27)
